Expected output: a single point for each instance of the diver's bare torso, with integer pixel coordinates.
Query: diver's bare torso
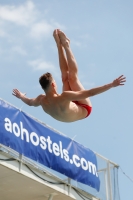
(61, 109)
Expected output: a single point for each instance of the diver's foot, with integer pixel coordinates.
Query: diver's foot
(56, 37)
(64, 40)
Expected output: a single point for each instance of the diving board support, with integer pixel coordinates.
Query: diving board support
(33, 153)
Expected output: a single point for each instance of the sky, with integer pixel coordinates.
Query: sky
(101, 35)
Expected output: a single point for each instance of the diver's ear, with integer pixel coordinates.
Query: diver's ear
(53, 85)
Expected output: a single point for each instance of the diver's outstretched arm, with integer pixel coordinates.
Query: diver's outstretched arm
(26, 100)
(83, 94)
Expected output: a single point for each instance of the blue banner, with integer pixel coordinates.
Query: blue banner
(44, 145)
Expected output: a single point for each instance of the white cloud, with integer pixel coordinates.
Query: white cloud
(26, 15)
(2, 33)
(83, 40)
(88, 85)
(41, 29)
(21, 15)
(40, 64)
(87, 37)
(1, 51)
(44, 28)
(19, 50)
(76, 43)
(57, 25)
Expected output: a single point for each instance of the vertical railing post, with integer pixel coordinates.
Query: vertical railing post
(106, 184)
(50, 197)
(109, 181)
(20, 163)
(69, 186)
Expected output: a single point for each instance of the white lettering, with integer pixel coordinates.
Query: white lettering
(92, 168)
(49, 144)
(84, 164)
(56, 149)
(24, 131)
(43, 144)
(16, 129)
(66, 156)
(34, 135)
(75, 158)
(8, 125)
(61, 151)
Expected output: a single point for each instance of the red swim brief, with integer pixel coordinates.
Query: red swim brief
(87, 107)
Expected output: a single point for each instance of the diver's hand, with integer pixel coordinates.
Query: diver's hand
(18, 94)
(119, 81)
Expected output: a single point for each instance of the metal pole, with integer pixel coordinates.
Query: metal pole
(69, 186)
(20, 163)
(50, 197)
(109, 181)
(100, 156)
(106, 184)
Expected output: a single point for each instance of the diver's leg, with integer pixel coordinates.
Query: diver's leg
(62, 62)
(74, 81)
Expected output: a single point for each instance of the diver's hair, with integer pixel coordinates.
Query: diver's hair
(45, 80)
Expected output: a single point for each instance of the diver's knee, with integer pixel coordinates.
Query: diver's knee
(72, 77)
(65, 77)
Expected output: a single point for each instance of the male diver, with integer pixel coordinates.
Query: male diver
(74, 103)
